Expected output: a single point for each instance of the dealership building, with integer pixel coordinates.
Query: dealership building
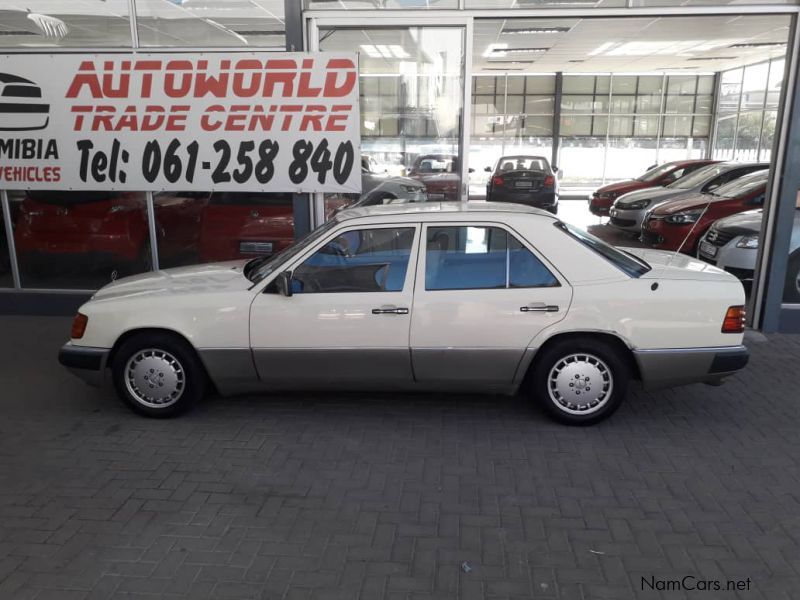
(604, 89)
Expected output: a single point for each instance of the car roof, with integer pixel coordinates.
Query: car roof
(442, 208)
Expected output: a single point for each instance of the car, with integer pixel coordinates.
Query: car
(627, 212)
(524, 179)
(394, 190)
(441, 175)
(57, 229)
(679, 224)
(601, 200)
(480, 297)
(732, 244)
(21, 106)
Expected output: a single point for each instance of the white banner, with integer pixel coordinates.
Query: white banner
(244, 121)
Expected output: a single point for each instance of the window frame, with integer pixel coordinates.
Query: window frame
(422, 263)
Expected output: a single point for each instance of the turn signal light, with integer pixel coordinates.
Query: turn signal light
(734, 320)
(497, 181)
(549, 181)
(79, 326)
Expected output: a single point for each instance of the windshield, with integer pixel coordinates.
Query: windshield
(627, 263)
(743, 185)
(698, 178)
(657, 172)
(259, 268)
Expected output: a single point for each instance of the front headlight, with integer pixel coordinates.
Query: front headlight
(748, 241)
(636, 205)
(682, 218)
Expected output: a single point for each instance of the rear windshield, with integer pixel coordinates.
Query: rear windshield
(522, 163)
(627, 263)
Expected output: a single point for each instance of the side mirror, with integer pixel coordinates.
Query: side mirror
(284, 283)
(713, 186)
(470, 170)
(488, 169)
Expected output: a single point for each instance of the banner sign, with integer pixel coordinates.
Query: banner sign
(245, 121)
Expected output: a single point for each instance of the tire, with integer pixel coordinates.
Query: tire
(580, 361)
(553, 209)
(165, 361)
(791, 287)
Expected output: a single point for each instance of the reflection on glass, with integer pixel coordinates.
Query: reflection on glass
(411, 96)
(209, 23)
(627, 155)
(748, 133)
(79, 240)
(243, 225)
(791, 289)
(6, 279)
(53, 23)
(178, 219)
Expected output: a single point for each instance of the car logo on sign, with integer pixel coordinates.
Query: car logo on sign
(21, 108)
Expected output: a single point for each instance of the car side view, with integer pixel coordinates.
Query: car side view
(601, 200)
(525, 180)
(488, 297)
(21, 105)
(679, 224)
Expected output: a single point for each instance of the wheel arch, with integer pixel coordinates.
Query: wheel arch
(614, 340)
(125, 336)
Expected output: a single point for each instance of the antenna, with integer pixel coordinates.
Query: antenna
(700, 216)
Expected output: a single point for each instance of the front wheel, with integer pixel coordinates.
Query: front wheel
(580, 381)
(158, 374)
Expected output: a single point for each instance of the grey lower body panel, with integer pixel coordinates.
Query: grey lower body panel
(231, 369)
(85, 362)
(671, 367)
(480, 366)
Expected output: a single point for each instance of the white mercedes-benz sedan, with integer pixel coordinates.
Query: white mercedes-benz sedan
(477, 297)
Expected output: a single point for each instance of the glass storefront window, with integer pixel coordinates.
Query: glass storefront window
(768, 134)
(748, 132)
(212, 23)
(582, 159)
(385, 4)
(6, 280)
(626, 156)
(43, 23)
(79, 240)
(421, 78)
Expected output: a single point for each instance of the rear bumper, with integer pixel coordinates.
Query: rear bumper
(538, 199)
(85, 362)
(670, 367)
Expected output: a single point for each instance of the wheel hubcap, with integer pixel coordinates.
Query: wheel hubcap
(155, 378)
(580, 384)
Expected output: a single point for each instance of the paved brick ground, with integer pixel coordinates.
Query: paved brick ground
(387, 497)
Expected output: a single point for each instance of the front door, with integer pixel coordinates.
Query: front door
(347, 322)
(481, 297)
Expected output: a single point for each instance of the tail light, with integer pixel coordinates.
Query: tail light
(497, 181)
(549, 181)
(734, 320)
(79, 326)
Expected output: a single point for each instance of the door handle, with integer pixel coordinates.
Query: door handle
(389, 310)
(539, 307)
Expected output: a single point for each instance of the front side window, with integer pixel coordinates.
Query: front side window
(359, 260)
(470, 258)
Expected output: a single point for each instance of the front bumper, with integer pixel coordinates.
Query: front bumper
(626, 220)
(85, 362)
(669, 367)
(600, 206)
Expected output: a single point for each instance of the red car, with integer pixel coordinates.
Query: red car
(601, 200)
(441, 175)
(681, 223)
(243, 225)
(110, 228)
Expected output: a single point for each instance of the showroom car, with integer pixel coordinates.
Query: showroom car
(525, 180)
(440, 174)
(732, 244)
(679, 224)
(488, 297)
(601, 200)
(56, 230)
(627, 212)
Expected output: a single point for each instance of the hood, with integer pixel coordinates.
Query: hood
(746, 222)
(621, 187)
(659, 194)
(196, 279)
(687, 203)
(677, 266)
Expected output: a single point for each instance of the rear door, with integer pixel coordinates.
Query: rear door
(482, 294)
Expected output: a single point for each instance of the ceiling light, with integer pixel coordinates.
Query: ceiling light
(520, 50)
(384, 51)
(501, 69)
(511, 62)
(757, 44)
(531, 30)
(713, 58)
(495, 50)
(252, 32)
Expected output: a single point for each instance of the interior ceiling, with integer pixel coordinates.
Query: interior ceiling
(626, 45)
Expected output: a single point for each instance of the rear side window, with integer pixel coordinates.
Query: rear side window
(475, 258)
(625, 262)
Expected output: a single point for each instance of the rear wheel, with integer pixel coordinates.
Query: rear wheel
(580, 381)
(158, 374)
